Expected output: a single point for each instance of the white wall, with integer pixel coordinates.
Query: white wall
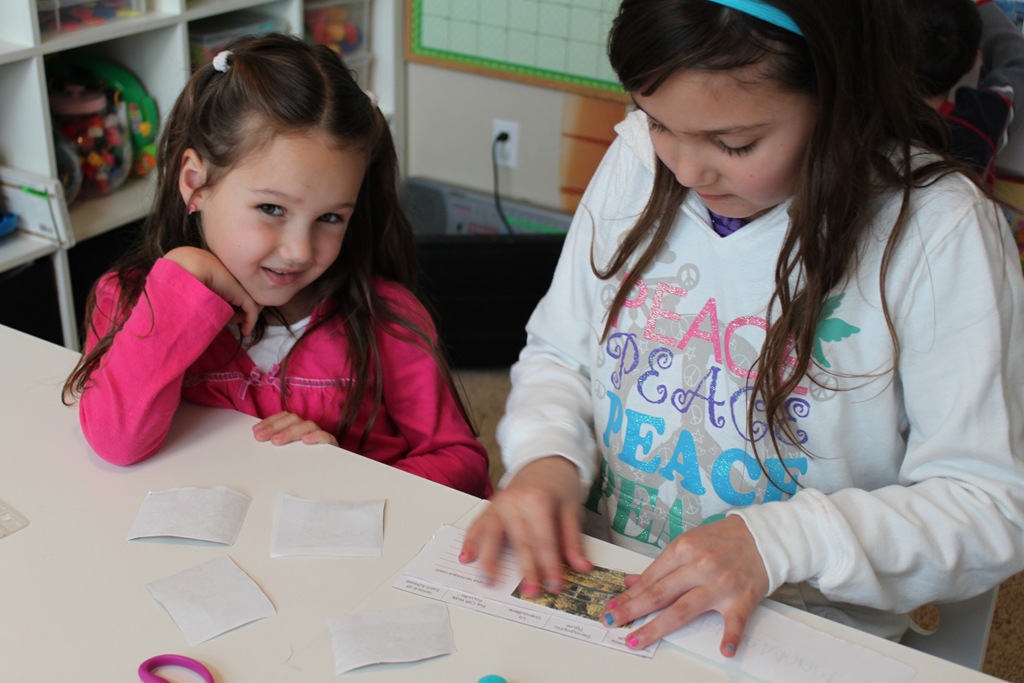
(448, 133)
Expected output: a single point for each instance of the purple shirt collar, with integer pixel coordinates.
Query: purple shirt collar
(725, 226)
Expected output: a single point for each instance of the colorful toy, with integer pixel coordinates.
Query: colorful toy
(120, 84)
(96, 128)
(207, 37)
(8, 223)
(336, 26)
(62, 16)
(69, 168)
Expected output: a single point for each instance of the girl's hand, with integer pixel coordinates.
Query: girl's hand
(209, 270)
(288, 427)
(714, 567)
(539, 514)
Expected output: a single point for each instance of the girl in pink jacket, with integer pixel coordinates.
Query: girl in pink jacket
(275, 275)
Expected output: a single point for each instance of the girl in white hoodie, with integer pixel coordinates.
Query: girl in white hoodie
(782, 350)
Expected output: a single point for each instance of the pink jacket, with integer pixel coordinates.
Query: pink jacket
(176, 344)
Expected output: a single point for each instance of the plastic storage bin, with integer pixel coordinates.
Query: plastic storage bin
(207, 37)
(92, 132)
(59, 16)
(121, 86)
(342, 25)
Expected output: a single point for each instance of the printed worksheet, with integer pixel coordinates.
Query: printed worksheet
(774, 647)
(575, 612)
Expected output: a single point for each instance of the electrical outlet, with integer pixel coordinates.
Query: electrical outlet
(506, 153)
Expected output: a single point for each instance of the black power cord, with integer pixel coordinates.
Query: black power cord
(499, 139)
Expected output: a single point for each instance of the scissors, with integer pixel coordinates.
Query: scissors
(147, 668)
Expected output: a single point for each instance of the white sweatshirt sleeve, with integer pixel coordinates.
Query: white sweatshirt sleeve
(952, 526)
(549, 410)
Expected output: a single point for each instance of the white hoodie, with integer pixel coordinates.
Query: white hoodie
(914, 491)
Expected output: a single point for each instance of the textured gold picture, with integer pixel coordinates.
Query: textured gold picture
(583, 595)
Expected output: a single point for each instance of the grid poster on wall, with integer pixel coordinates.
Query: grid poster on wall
(553, 43)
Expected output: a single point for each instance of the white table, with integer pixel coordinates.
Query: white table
(73, 602)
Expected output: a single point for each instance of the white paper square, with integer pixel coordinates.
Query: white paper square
(203, 514)
(210, 599)
(407, 634)
(327, 528)
(10, 520)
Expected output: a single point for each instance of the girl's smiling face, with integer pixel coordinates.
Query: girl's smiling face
(278, 218)
(735, 139)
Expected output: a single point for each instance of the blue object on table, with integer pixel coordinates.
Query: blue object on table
(492, 678)
(8, 223)
(147, 668)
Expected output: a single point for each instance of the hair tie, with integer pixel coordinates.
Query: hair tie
(220, 62)
(763, 11)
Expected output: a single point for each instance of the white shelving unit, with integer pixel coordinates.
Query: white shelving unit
(42, 232)
(155, 47)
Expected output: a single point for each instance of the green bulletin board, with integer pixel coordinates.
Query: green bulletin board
(554, 43)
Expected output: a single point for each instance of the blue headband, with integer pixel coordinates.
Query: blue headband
(762, 11)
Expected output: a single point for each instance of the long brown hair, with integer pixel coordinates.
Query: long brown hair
(854, 58)
(284, 85)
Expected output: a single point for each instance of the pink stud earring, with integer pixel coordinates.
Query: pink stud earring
(192, 208)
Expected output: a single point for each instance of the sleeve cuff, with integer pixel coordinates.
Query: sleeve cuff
(788, 556)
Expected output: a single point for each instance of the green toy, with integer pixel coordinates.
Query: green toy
(143, 119)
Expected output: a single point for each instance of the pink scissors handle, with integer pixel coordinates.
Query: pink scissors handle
(146, 669)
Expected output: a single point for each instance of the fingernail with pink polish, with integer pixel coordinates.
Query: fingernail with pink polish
(633, 641)
(611, 604)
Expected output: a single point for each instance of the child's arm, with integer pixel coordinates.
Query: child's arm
(127, 406)
(952, 525)
(547, 432)
(209, 270)
(284, 427)
(1002, 55)
(539, 514)
(419, 403)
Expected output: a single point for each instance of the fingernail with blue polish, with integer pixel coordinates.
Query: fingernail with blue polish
(609, 619)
